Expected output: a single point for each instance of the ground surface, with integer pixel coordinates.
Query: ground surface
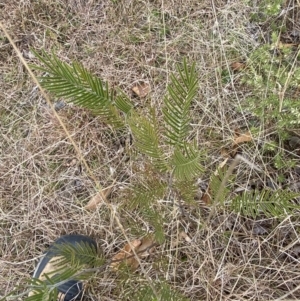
(43, 185)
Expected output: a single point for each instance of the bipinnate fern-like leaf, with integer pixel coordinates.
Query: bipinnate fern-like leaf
(44, 290)
(146, 135)
(76, 84)
(146, 192)
(186, 190)
(267, 202)
(80, 254)
(144, 198)
(181, 91)
(123, 102)
(186, 162)
(155, 219)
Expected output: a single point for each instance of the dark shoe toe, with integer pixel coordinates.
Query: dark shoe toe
(72, 289)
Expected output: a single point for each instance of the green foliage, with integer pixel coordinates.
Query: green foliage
(164, 142)
(281, 163)
(273, 74)
(255, 203)
(186, 190)
(152, 216)
(186, 162)
(144, 196)
(76, 84)
(177, 104)
(146, 192)
(183, 162)
(268, 9)
(77, 256)
(122, 102)
(44, 291)
(147, 137)
(272, 7)
(268, 203)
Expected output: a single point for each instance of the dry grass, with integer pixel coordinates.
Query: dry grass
(44, 186)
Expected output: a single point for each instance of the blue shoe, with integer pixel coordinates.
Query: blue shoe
(70, 290)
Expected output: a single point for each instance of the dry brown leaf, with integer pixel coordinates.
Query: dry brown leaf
(141, 89)
(147, 247)
(206, 198)
(243, 138)
(142, 248)
(237, 66)
(229, 152)
(122, 256)
(225, 153)
(101, 196)
(281, 45)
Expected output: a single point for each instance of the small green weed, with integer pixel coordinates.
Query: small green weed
(267, 9)
(273, 75)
